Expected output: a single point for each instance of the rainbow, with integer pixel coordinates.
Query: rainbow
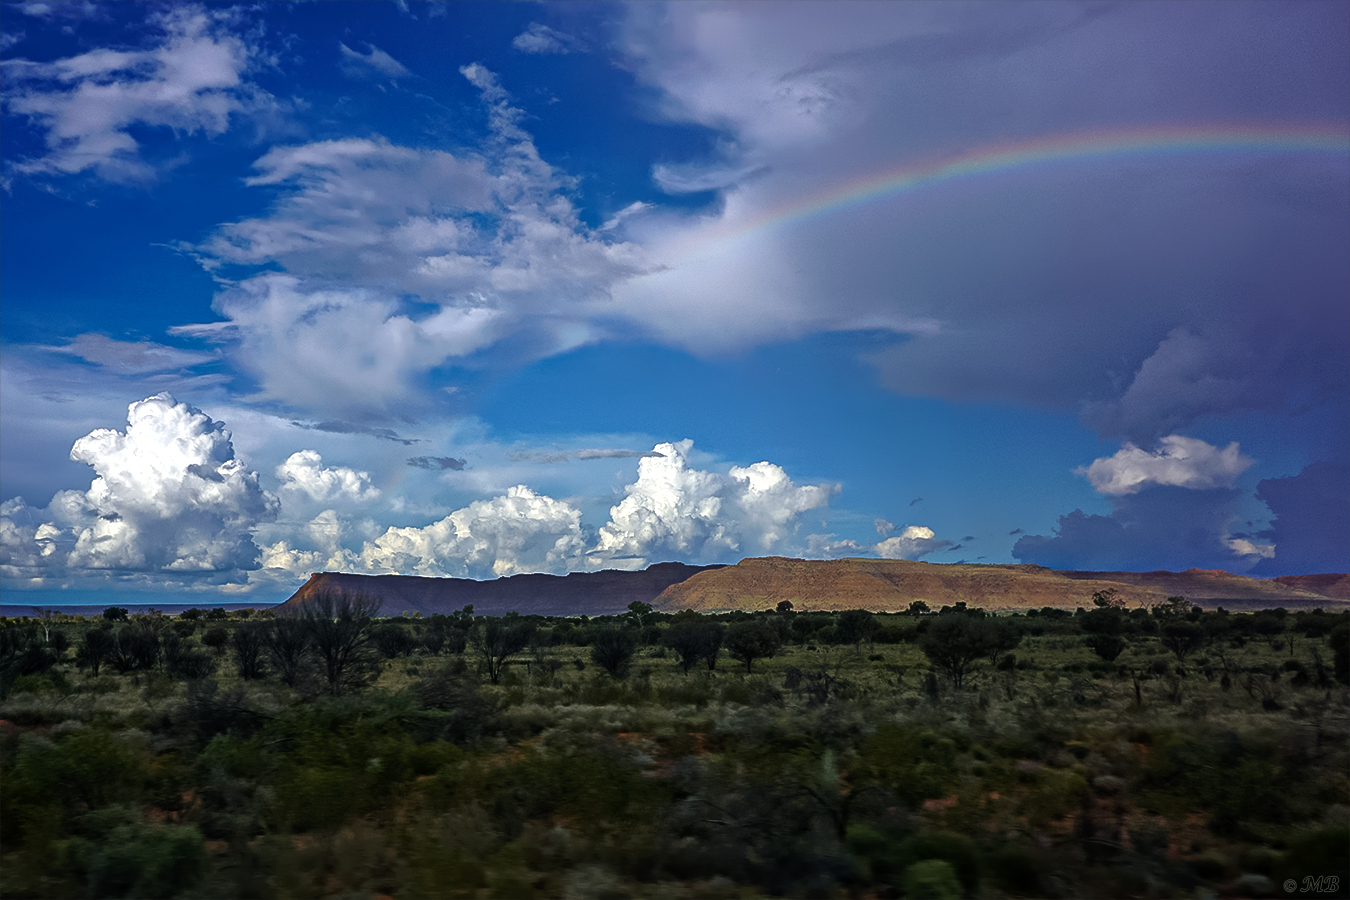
(1043, 151)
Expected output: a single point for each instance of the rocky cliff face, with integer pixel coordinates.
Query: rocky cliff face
(580, 593)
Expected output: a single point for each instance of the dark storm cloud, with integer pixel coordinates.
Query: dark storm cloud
(1163, 528)
(1311, 527)
(1146, 290)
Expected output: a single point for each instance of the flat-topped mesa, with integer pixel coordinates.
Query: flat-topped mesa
(581, 593)
(892, 585)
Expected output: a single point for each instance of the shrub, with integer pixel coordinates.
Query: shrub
(137, 861)
(749, 641)
(613, 647)
(932, 879)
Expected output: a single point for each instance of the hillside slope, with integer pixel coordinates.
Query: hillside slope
(891, 585)
(580, 593)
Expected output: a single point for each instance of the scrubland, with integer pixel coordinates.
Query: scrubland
(1113, 753)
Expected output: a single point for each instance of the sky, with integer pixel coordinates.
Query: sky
(475, 289)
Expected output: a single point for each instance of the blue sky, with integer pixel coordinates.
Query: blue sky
(476, 289)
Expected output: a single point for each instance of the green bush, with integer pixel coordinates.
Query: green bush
(133, 860)
(932, 879)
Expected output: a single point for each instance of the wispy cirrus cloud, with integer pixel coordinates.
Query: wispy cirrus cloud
(192, 79)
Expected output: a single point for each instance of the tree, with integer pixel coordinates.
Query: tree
(496, 641)
(1107, 599)
(752, 640)
(287, 648)
(115, 614)
(917, 608)
(135, 649)
(639, 611)
(784, 607)
(954, 643)
(96, 647)
(21, 653)
(1105, 627)
(613, 648)
(339, 625)
(249, 643)
(1181, 638)
(216, 638)
(394, 640)
(1172, 608)
(856, 626)
(692, 640)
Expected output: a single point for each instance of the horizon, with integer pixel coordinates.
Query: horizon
(474, 290)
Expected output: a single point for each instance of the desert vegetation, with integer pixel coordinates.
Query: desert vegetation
(1112, 752)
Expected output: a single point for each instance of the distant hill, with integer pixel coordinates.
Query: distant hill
(580, 593)
(891, 585)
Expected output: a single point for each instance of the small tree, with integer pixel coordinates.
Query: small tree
(1105, 627)
(216, 638)
(339, 625)
(639, 611)
(496, 641)
(287, 648)
(856, 626)
(115, 614)
(749, 641)
(693, 641)
(613, 648)
(94, 649)
(954, 643)
(1181, 638)
(394, 640)
(249, 644)
(135, 649)
(917, 608)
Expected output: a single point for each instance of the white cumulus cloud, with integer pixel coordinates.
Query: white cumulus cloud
(521, 531)
(1178, 461)
(169, 496)
(915, 542)
(304, 471)
(674, 511)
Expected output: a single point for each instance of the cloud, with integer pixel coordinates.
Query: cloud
(437, 463)
(544, 456)
(520, 531)
(1098, 285)
(1310, 529)
(395, 261)
(1179, 462)
(88, 106)
(1163, 528)
(130, 357)
(304, 471)
(674, 511)
(384, 434)
(373, 62)
(538, 38)
(915, 542)
(169, 497)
